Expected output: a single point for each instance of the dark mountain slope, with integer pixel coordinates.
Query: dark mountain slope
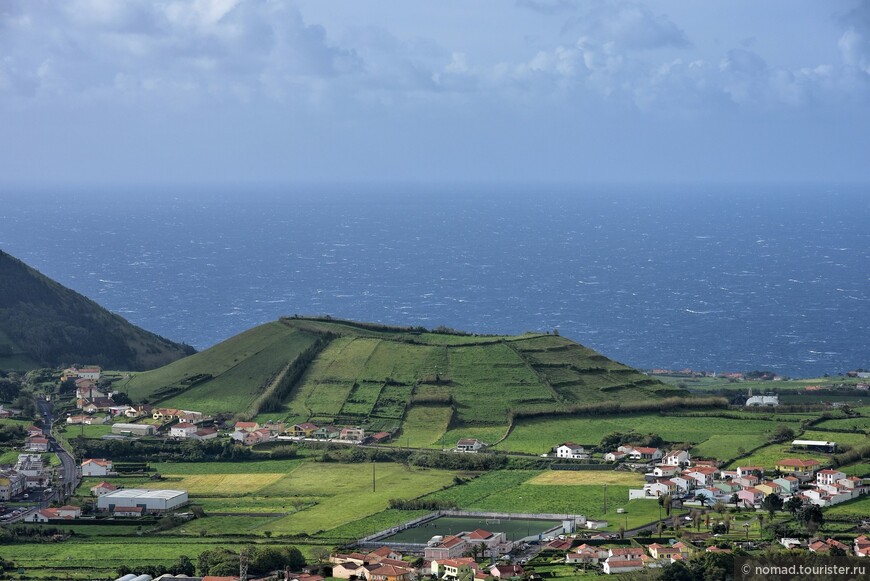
(44, 324)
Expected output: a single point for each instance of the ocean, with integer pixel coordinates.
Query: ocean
(707, 277)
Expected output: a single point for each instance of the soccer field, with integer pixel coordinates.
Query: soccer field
(514, 529)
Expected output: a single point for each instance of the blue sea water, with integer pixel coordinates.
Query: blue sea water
(712, 278)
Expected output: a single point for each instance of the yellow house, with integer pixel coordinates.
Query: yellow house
(768, 488)
(304, 430)
(390, 573)
(791, 465)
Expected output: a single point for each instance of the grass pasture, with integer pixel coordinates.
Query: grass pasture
(587, 477)
(852, 439)
(219, 485)
(424, 426)
(853, 510)
(769, 455)
(239, 369)
(723, 446)
(539, 435)
(343, 492)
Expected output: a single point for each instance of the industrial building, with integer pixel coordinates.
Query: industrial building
(149, 500)
(134, 429)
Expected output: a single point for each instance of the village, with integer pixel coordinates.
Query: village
(671, 478)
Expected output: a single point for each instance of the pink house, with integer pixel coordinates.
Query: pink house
(750, 496)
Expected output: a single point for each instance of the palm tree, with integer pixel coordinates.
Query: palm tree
(668, 502)
(702, 498)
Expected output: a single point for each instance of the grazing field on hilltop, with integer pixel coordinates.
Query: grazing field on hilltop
(371, 375)
(227, 377)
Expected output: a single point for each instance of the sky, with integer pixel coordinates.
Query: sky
(201, 92)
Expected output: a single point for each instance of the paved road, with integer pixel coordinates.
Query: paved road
(69, 471)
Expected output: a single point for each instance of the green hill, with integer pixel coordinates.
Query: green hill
(385, 378)
(44, 324)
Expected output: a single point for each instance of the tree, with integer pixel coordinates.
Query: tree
(666, 501)
(122, 398)
(782, 433)
(218, 561)
(727, 522)
(182, 566)
(772, 503)
(676, 571)
(793, 505)
(320, 554)
(702, 498)
(810, 516)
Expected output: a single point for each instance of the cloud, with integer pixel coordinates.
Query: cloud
(179, 53)
(93, 49)
(547, 6)
(628, 25)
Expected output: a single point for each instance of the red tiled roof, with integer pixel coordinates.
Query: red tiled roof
(106, 485)
(798, 462)
(450, 541)
(479, 534)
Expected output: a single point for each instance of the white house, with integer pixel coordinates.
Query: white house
(571, 450)
(92, 373)
(182, 430)
(103, 488)
(96, 467)
(645, 454)
(665, 470)
(829, 476)
(469, 445)
(205, 434)
(677, 458)
(37, 444)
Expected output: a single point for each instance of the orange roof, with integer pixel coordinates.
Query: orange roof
(383, 551)
(479, 534)
(106, 485)
(798, 462)
(451, 541)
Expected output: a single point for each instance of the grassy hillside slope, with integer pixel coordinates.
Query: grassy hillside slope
(425, 383)
(44, 324)
(228, 377)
